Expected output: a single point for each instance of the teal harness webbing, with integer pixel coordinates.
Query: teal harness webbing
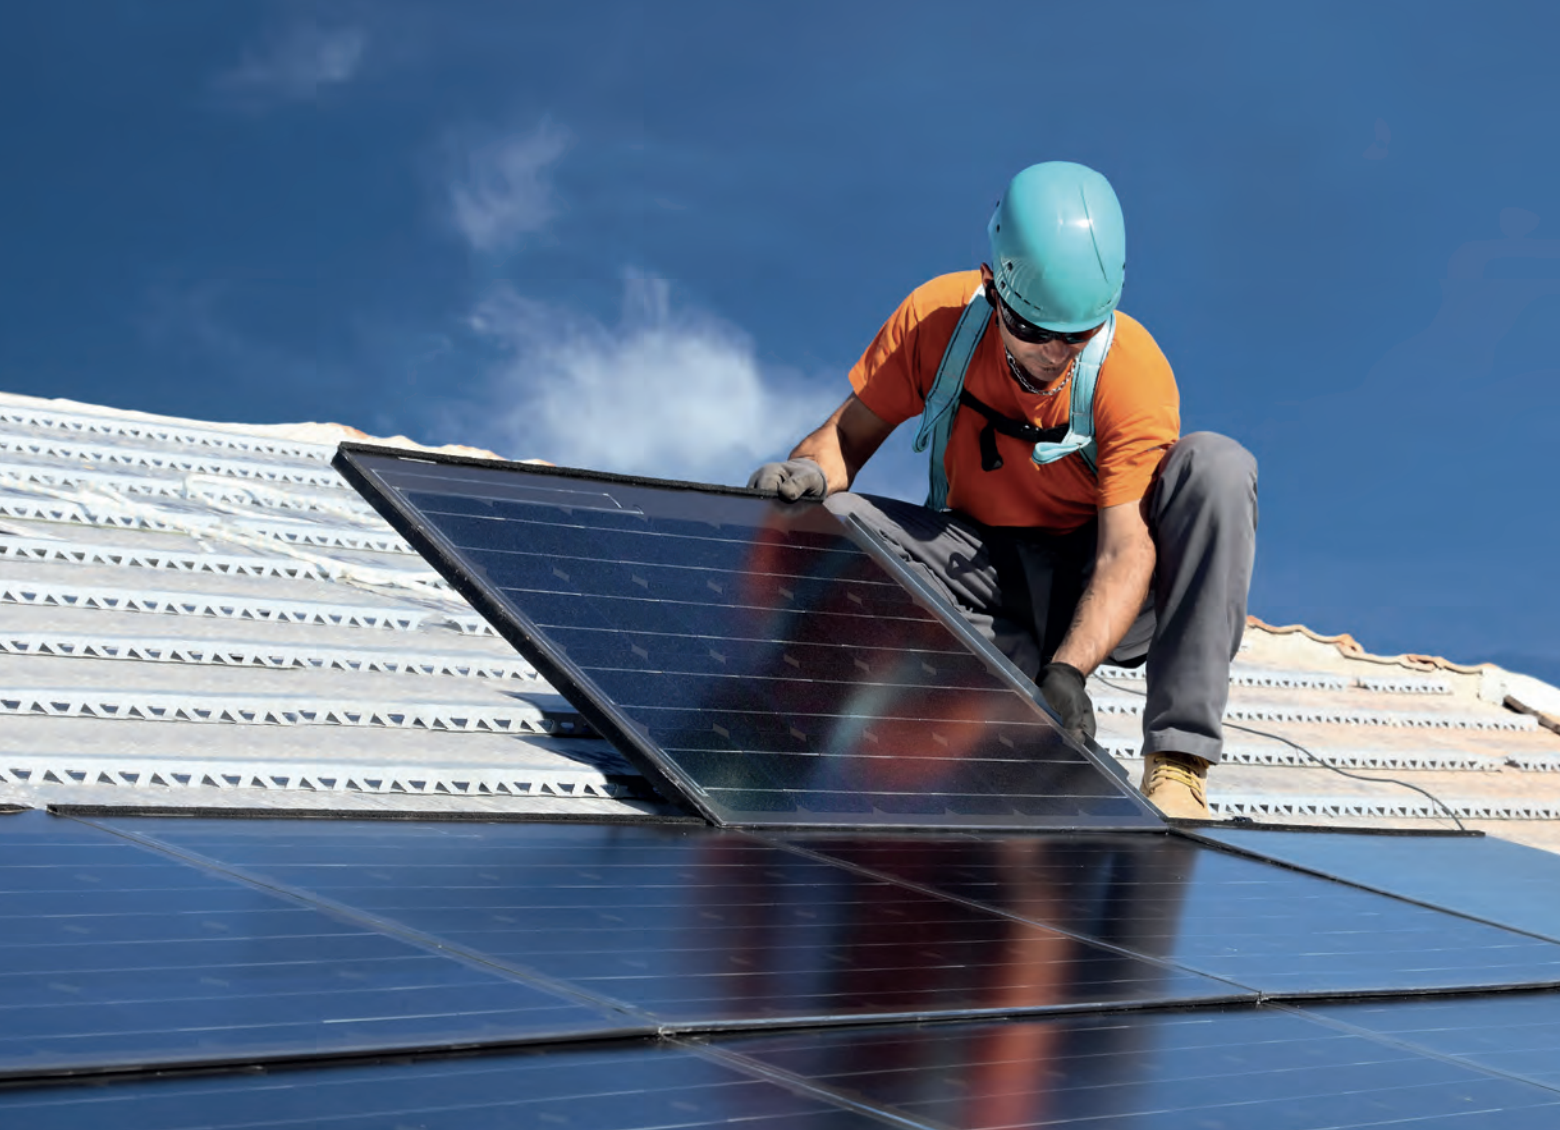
(942, 403)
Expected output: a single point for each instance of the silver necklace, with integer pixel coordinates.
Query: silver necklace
(1018, 374)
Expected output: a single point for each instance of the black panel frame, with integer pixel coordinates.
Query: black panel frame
(598, 708)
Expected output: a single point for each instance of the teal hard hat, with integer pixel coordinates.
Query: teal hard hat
(1059, 246)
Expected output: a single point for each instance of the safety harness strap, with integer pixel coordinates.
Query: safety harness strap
(943, 401)
(1080, 409)
(947, 394)
(990, 457)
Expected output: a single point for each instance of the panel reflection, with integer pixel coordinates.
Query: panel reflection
(1149, 1071)
(699, 926)
(1248, 921)
(628, 1087)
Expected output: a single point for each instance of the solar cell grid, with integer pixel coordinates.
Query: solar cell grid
(1265, 927)
(749, 655)
(624, 1088)
(1148, 1071)
(115, 956)
(691, 926)
(1515, 1034)
(1480, 876)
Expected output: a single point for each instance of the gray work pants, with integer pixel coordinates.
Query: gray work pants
(1020, 588)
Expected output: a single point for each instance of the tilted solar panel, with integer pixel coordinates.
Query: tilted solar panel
(765, 661)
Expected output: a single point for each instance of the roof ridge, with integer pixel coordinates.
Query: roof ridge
(1348, 646)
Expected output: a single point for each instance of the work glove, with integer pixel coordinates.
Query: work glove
(791, 480)
(1061, 685)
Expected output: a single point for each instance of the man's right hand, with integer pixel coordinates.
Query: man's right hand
(1062, 687)
(791, 480)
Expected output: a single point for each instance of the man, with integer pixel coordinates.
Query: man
(1068, 520)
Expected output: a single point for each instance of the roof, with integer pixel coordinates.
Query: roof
(204, 615)
(202, 620)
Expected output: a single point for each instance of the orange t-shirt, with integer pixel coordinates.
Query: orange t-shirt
(1137, 414)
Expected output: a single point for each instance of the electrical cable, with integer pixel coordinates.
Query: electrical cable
(1437, 801)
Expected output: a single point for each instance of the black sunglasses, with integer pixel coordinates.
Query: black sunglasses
(1028, 332)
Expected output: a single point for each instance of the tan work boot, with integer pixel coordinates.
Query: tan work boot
(1174, 784)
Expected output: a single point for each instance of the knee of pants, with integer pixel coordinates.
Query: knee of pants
(1210, 465)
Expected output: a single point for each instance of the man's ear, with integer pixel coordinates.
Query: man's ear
(986, 276)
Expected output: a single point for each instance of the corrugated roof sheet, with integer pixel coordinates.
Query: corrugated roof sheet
(203, 615)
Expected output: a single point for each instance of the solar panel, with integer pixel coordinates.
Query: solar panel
(767, 662)
(1266, 927)
(113, 956)
(690, 926)
(620, 1088)
(1514, 1033)
(1480, 876)
(1252, 1068)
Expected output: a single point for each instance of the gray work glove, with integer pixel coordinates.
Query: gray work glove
(791, 480)
(1061, 685)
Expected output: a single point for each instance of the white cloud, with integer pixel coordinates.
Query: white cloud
(501, 190)
(297, 64)
(663, 393)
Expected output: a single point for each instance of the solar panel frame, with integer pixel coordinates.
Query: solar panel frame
(688, 928)
(1512, 1034)
(119, 956)
(625, 1085)
(1203, 907)
(1214, 1067)
(1483, 878)
(356, 462)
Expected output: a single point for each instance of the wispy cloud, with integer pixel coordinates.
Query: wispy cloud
(296, 65)
(501, 189)
(666, 393)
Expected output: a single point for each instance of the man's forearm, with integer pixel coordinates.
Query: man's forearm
(826, 448)
(1111, 602)
(846, 441)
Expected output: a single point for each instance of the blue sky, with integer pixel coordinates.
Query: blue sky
(653, 237)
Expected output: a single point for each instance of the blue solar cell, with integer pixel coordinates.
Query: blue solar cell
(1513, 1033)
(116, 956)
(689, 925)
(1269, 928)
(750, 656)
(1147, 1071)
(621, 1088)
(1480, 876)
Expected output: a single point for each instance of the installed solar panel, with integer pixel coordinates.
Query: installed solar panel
(115, 956)
(1479, 876)
(1259, 925)
(1513, 1033)
(688, 926)
(1148, 1071)
(761, 660)
(624, 1088)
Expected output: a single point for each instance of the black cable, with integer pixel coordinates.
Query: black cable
(1437, 801)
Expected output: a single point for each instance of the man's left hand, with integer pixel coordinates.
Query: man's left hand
(792, 480)
(1062, 687)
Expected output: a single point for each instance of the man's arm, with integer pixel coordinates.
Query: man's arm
(1123, 568)
(847, 439)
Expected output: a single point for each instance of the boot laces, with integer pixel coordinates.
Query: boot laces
(1176, 769)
